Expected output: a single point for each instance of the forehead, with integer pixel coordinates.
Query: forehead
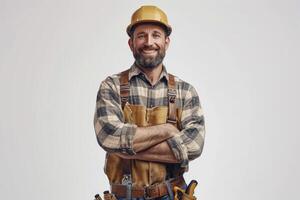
(148, 28)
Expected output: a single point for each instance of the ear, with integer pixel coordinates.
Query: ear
(130, 43)
(167, 42)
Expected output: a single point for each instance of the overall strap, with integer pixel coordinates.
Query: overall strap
(124, 87)
(172, 100)
(126, 167)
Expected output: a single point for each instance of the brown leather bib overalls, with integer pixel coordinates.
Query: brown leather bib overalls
(143, 173)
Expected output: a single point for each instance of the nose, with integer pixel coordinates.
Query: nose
(149, 40)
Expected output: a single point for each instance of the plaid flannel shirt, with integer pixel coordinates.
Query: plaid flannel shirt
(114, 135)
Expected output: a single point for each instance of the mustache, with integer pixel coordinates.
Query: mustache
(149, 48)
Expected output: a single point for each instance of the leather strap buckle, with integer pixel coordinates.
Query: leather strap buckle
(171, 95)
(124, 99)
(128, 183)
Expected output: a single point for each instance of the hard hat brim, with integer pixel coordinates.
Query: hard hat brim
(131, 27)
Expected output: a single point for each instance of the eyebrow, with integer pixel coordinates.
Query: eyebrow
(157, 32)
(139, 33)
(143, 32)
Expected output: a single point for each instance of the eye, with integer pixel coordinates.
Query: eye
(140, 36)
(156, 35)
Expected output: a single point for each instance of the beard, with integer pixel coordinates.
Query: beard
(149, 62)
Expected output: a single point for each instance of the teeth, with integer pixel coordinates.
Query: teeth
(149, 51)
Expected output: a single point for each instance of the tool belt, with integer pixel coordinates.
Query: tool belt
(148, 192)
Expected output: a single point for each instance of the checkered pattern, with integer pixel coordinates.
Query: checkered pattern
(114, 135)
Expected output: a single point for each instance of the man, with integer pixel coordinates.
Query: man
(149, 122)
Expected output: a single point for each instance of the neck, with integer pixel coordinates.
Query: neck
(152, 74)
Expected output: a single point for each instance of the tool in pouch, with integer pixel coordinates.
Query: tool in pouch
(106, 195)
(187, 194)
(109, 196)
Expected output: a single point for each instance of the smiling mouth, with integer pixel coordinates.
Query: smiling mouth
(150, 51)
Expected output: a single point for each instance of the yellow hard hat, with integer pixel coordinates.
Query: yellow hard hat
(149, 14)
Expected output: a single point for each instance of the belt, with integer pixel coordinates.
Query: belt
(147, 192)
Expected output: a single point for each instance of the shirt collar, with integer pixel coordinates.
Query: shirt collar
(135, 71)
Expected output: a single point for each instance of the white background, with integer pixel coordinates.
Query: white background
(241, 56)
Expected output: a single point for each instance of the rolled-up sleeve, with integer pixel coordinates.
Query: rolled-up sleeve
(189, 144)
(113, 135)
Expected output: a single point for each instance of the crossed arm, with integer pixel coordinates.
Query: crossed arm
(150, 144)
(161, 143)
